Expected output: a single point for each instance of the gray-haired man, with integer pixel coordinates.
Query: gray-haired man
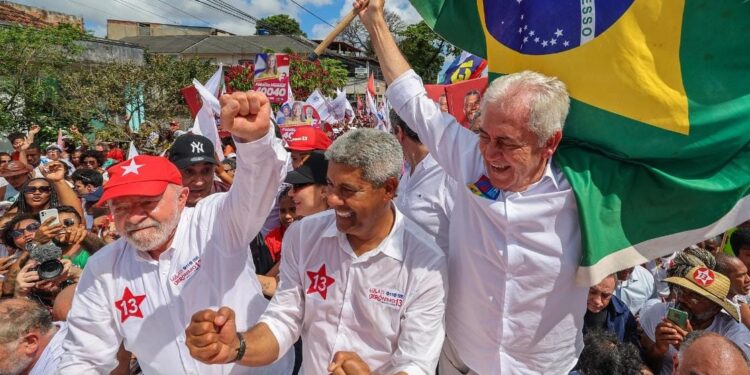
(362, 284)
(29, 342)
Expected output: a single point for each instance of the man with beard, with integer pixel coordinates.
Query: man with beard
(173, 260)
(738, 276)
(702, 294)
(30, 343)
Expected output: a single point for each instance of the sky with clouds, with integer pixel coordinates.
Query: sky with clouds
(191, 12)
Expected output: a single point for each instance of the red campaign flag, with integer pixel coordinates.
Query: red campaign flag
(192, 98)
(464, 98)
(371, 85)
(438, 94)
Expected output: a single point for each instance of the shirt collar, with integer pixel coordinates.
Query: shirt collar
(391, 246)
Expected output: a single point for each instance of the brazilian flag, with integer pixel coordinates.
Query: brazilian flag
(657, 143)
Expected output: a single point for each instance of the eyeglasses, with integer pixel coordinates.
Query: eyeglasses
(34, 189)
(31, 228)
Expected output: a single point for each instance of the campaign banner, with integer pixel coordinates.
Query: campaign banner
(272, 76)
(297, 114)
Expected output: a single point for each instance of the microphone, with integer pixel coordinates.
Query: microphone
(48, 256)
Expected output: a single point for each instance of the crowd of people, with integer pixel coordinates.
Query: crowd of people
(432, 248)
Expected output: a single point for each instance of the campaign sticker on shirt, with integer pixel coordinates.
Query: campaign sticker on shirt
(130, 305)
(392, 298)
(483, 188)
(186, 271)
(320, 280)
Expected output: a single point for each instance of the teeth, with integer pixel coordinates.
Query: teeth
(498, 166)
(343, 214)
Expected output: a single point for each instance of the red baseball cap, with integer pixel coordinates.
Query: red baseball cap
(143, 175)
(307, 138)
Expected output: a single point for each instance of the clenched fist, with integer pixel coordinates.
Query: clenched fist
(211, 336)
(247, 115)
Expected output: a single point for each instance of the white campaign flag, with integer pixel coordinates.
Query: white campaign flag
(319, 102)
(132, 151)
(206, 120)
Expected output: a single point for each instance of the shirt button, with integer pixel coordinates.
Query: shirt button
(180, 339)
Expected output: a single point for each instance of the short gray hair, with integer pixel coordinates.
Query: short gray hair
(19, 317)
(546, 98)
(377, 153)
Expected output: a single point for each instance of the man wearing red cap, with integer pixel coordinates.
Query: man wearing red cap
(173, 260)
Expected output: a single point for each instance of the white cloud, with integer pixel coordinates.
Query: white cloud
(320, 31)
(95, 12)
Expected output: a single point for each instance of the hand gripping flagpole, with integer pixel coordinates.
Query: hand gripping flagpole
(332, 35)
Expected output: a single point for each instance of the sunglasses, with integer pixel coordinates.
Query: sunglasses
(31, 228)
(34, 189)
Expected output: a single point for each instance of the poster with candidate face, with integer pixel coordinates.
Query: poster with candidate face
(460, 99)
(298, 114)
(272, 76)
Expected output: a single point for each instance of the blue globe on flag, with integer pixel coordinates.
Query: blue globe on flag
(542, 27)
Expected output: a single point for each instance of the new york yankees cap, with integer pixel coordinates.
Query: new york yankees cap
(189, 149)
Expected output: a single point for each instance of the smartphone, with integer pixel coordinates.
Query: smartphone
(678, 317)
(46, 214)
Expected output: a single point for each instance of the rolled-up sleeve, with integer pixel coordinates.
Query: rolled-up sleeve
(92, 341)
(453, 146)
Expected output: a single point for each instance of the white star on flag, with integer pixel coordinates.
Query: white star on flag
(566, 43)
(553, 41)
(536, 39)
(525, 39)
(132, 168)
(559, 33)
(544, 43)
(532, 32)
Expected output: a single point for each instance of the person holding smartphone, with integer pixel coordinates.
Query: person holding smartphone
(701, 295)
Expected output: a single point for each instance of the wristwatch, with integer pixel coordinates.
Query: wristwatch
(241, 349)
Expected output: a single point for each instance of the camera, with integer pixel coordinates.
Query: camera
(48, 256)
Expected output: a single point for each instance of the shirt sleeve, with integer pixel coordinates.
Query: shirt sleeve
(422, 328)
(241, 212)
(453, 146)
(92, 341)
(286, 310)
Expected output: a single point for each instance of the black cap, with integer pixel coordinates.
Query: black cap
(189, 149)
(313, 171)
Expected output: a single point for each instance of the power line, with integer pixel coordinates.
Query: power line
(311, 12)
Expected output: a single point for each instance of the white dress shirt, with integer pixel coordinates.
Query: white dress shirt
(723, 324)
(513, 304)
(637, 289)
(125, 296)
(386, 305)
(50, 357)
(424, 196)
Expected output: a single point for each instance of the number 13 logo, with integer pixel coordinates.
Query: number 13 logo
(130, 305)
(319, 282)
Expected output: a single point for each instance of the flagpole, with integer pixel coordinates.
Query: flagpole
(332, 35)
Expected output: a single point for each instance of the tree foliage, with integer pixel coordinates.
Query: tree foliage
(324, 74)
(356, 35)
(280, 24)
(30, 60)
(424, 50)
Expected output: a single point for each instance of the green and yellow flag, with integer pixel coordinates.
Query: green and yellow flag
(657, 144)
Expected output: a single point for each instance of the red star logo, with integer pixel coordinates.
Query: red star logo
(703, 277)
(129, 305)
(319, 282)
